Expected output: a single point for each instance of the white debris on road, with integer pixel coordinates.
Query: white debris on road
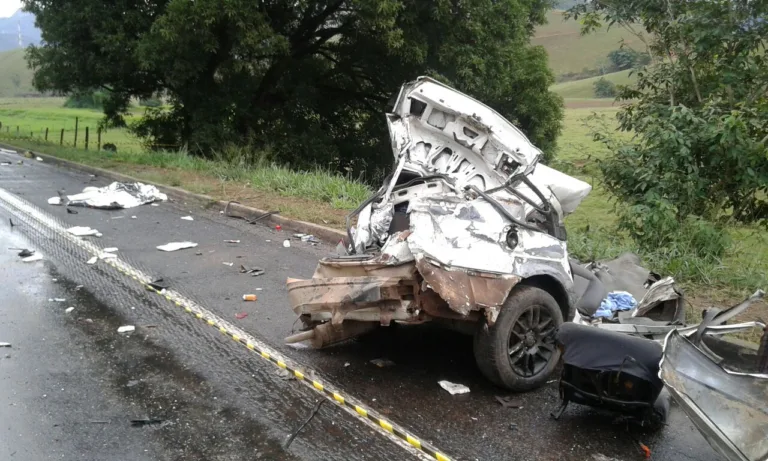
(115, 196)
(83, 231)
(187, 218)
(173, 246)
(92, 260)
(453, 388)
(68, 310)
(110, 250)
(126, 329)
(286, 243)
(34, 257)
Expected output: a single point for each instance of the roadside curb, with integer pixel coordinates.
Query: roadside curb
(321, 232)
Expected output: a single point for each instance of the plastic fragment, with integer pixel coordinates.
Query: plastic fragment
(382, 363)
(69, 309)
(173, 246)
(453, 388)
(126, 329)
(249, 298)
(241, 315)
(34, 257)
(92, 260)
(286, 243)
(83, 231)
(187, 218)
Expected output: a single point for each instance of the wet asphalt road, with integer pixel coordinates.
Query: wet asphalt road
(217, 401)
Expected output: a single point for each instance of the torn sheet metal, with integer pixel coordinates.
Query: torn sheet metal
(659, 293)
(115, 196)
(466, 291)
(730, 409)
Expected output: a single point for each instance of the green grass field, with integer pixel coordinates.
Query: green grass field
(29, 117)
(569, 51)
(585, 88)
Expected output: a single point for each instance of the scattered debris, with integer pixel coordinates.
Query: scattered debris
(284, 374)
(513, 426)
(92, 260)
(83, 231)
(145, 422)
(383, 363)
(5, 344)
(254, 271)
(110, 250)
(25, 252)
(28, 154)
(133, 217)
(453, 388)
(39, 159)
(299, 236)
(249, 221)
(231, 241)
(249, 298)
(241, 315)
(286, 243)
(346, 364)
(10, 221)
(299, 345)
(68, 310)
(126, 329)
(115, 196)
(259, 289)
(107, 256)
(58, 300)
(228, 264)
(5, 163)
(187, 218)
(154, 204)
(310, 239)
(71, 211)
(296, 432)
(132, 383)
(173, 246)
(77, 288)
(199, 253)
(509, 402)
(278, 227)
(159, 284)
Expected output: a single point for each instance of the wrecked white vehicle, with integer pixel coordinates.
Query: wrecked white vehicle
(468, 231)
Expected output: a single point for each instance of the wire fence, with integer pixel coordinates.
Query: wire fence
(81, 136)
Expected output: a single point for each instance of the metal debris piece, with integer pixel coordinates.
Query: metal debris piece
(159, 284)
(228, 264)
(24, 252)
(174, 246)
(254, 271)
(71, 211)
(5, 344)
(249, 221)
(453, 388)
(34, 257)
(146, 422)
(110, 250)
(57, 300)
(126, 329)
(509, 402)
(286, 243)
(69, 309)
(5, 163)
(187, 218)
(92, 260)
(77, 288)
(296, 432)
(83, 231)
(231, 241)
(383, 363)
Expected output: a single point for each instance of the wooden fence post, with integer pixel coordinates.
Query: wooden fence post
(77, 120)
(86, 138)
(98, 139)
(17, 130)
(1, 125)
(61, 139)
(46, 133)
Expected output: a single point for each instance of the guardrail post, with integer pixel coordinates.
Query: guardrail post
(61, 139)
(77, 120)
(46, 133)
(86, 138)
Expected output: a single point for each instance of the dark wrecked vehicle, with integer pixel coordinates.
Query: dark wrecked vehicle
(467, 231)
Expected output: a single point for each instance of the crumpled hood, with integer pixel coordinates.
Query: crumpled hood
(443, 131)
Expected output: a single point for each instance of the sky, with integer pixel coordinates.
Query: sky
(8, 7)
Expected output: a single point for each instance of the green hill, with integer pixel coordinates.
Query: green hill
(585, 88)
(570, 52)
(15, 76)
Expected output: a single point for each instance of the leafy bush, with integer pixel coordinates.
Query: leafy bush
(604, 88)
(150, 102)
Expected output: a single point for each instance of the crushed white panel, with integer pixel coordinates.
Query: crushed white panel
(174, 246)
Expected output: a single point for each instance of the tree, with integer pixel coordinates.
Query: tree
(627, 58)
(16, 80)
(699, 115)
(604, 88)
(310, 79)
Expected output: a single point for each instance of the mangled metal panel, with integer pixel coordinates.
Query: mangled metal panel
(729, 409)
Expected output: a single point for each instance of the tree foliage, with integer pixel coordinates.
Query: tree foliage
(309, 78)
(604, 88)
(625, 58)
(699, 114)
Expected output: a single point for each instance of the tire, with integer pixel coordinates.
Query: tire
(535, 354)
